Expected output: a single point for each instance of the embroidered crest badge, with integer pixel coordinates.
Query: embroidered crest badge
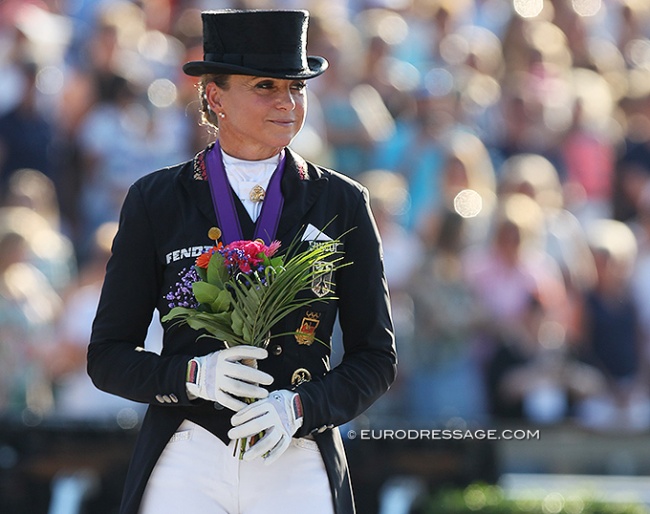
(306, 334)
(322, 283)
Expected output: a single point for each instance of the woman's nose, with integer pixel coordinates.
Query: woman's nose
(286, 100)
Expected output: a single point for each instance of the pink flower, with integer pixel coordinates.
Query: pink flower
(253, 249)
(272, 248)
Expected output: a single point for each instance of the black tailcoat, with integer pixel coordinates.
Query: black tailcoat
(163, 225)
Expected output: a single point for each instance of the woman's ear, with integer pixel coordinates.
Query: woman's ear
(213, 96)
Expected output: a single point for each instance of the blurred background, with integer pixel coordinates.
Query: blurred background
(506, 148)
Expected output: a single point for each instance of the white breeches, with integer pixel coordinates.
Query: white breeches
(197, 473)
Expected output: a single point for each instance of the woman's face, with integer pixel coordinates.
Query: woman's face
(260, 115)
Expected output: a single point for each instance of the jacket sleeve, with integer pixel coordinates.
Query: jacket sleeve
(369, 363)
(117, 362)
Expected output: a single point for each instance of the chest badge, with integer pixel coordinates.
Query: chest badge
(306, 334)
(322, 283)
(299, 376)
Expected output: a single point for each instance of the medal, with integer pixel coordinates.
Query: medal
(214, 233)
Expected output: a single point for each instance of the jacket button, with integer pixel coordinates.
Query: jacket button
(276, 350)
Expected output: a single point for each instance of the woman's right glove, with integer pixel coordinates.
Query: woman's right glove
(221, 377)
(278, 417)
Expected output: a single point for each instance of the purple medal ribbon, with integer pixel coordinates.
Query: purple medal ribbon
(266, 225)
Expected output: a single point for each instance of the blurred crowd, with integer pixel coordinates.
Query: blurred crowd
(505, 145)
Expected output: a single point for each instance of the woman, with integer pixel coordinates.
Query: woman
(253, 88)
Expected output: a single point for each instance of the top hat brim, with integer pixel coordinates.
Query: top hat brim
(316, 66)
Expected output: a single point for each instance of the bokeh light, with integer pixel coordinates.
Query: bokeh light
(49, 80)
(162, 93)
(586, 7)
(468, 203)
(528, 8)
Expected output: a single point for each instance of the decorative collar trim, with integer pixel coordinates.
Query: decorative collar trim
(200, 169)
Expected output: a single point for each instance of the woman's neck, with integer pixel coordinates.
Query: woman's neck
(248, 162)
(248, 153)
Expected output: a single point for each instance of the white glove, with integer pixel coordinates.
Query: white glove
(279, 416)
(221, 377)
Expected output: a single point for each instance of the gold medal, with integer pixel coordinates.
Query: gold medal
(257, 194)
(214, 233)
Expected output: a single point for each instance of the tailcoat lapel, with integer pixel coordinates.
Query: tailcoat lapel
(194, 181)
(301, 187)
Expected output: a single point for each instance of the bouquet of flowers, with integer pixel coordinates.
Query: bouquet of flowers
(238, 292)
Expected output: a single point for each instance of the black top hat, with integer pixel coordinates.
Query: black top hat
(260, 43)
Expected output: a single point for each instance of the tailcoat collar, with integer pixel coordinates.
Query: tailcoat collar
(301, 186)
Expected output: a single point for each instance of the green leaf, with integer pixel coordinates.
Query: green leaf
(176, 313)
(205, 292)
(217, 325)
(222, 302)
(220, 318)
(217, 272)
(201, 273)
(237, 323)
(277, 262)
(247, 334)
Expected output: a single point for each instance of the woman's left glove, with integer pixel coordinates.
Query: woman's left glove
(279, 416)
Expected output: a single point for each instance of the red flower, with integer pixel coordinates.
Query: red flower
(203, 260)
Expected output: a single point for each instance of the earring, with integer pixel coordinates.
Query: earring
(222, 115)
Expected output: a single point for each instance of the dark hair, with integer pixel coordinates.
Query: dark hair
(208, 116)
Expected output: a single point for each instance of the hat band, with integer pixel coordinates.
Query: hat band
(269, 62)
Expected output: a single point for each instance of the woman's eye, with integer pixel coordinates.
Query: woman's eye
(264, 85)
